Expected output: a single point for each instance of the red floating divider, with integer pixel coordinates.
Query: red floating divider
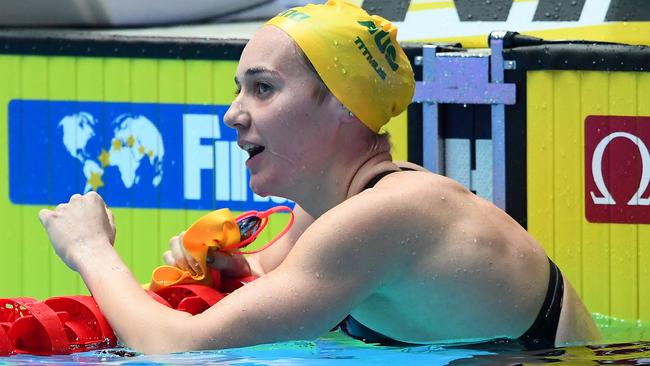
(38, 331)
(193, 299)
(84, 325)
(69, 324)
(229, 285)
(6, 348)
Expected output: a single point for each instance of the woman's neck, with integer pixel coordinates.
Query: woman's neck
(347, 179)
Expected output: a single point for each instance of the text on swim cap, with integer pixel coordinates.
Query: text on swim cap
(384, 47)
(371, 60)
(294, 14)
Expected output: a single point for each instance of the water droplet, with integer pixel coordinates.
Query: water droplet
(547, 14)
(443, 198)
(344, 71)
(470, 16)
(318, 275)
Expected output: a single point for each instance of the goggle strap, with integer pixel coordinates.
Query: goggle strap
(264, 216)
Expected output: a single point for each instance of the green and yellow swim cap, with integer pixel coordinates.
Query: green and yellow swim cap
(356, 55)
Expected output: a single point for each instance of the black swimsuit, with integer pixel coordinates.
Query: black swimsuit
(540, 335)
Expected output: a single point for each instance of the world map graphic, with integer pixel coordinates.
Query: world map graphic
(134, 138)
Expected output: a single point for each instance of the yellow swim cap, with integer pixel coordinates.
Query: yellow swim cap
(356, 55)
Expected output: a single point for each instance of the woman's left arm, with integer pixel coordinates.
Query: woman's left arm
(81, 232)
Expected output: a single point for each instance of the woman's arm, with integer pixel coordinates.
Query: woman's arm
(81, 233)
(329, 272)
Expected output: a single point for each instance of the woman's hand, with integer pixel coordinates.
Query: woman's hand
(230, 265)
(79, 228)
(179, 257)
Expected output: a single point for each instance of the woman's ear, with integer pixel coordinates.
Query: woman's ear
(347, 116)
(339, 112)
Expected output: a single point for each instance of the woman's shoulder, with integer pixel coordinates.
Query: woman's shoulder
(402, 193)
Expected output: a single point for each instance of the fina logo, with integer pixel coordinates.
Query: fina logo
(136, 155)
(617, 169)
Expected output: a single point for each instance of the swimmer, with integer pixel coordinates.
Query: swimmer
(384, 250)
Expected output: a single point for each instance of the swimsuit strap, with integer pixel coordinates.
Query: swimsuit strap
(542, 333)
(379, 176)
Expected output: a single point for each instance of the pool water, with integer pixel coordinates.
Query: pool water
(340, 349)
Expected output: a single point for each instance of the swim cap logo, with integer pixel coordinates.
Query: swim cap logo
(371, 60)
(294, 14)
(384, 46)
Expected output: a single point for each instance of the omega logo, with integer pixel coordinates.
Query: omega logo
(597, 171)
(617, 169)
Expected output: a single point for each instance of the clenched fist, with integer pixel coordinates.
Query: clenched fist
(79, 228)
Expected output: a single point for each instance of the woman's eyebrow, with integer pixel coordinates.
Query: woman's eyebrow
(256, 71)
(260, 70)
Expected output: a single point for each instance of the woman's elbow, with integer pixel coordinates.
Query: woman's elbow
(159, 340)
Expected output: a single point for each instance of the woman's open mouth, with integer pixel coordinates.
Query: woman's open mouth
(252, 149)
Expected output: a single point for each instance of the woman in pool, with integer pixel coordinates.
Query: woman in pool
(386, 250)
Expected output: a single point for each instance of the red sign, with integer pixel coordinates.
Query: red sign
(617, 169)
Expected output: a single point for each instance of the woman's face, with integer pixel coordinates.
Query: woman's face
(288, 135)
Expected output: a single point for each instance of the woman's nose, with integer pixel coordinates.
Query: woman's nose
(236, 117)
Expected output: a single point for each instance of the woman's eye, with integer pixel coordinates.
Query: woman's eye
(262, 88)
